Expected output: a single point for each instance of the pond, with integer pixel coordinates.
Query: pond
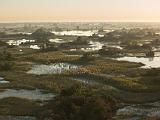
(93, 46)
(115, 46)
(36, 47)
(19, 42)
(82, 32)
(149, 62)
(76, 33)
(96, 45)
(27, 94)
(140, 111)
(51, 69)
(58, 40)
(86, 81)
(3, 81)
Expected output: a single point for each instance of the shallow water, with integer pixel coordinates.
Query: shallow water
(26, 33)
(51, 69)
(19, 42)
(36, 47)
(115, 46)
(57, 40)
(95, 45)
(75, 33)
(86, 81)
(28, 94)
(81, 33)
(149, 62)
(140, 111)
(3, 81)
(17, 118)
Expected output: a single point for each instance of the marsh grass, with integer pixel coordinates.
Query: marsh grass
(18, 107)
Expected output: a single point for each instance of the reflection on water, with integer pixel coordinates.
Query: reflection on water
(17, 118)
(115, 46)
(28, 94)
(25, 33)
(149, 62)
(76, 33)
(81, 33)
(3, 81)
(51, 69)
(139, 111)
(95, 45)
(86, 81)
(36, 47)
(19, 42)
(57, 40)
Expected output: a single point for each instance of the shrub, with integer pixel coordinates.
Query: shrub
(79, 103)
(5, 65)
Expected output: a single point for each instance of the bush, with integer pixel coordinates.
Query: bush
(110, 51)
(5, 65)
(87, 57)
(152, 72)
(79, 103)
(5, 61)
(42, 35)
(5, 56)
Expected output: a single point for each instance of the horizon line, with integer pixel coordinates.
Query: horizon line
(85, 21)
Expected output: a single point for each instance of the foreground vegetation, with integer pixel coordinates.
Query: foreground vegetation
(107, 83)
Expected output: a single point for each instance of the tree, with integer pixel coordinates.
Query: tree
(79, 103)
(80, 41)
(87, 57)
(42, 35)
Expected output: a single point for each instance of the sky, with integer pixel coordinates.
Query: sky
(79, 10)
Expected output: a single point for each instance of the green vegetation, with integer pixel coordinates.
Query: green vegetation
(110, 52)
(87, 57)
(109, 83)
(18, 107)
(5, 61)
(51, 57)
(42, 35)
(80, 103)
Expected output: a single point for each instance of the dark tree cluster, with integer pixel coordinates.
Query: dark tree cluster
(79, 103)
(87, 57)
(5, 61)
(42, 35)
(110, 51)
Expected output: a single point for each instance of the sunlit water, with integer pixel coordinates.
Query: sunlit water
(36, 47)
(27, 94)
(19, 42)
(17, 118)
(149, 62)
(86, 81)
(81, 33)
(57, 40)
(137, 112)
(95, 45)
(25, 33)
(51, 69)
(115, 46)
(3, 81)
(75, 33)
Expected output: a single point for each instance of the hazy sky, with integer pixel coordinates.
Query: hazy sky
(79, 10)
